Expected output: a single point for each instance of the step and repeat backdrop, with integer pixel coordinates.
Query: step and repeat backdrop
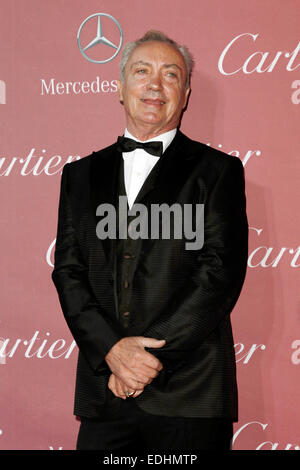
(59, 102)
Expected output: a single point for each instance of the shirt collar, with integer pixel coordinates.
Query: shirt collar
(166, 138)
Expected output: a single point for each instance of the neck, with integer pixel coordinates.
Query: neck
(146, 133)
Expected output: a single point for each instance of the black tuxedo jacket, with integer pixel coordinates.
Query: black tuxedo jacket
(183, 296)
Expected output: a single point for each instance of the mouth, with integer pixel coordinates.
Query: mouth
(153, 102)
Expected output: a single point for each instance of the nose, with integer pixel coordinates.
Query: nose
(155, 82)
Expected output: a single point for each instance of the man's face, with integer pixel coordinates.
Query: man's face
(153, 91)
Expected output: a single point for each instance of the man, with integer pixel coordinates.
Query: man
(156, 364)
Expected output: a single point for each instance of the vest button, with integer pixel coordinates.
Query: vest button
(128, 256)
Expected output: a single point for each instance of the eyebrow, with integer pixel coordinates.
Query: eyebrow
(141, 62)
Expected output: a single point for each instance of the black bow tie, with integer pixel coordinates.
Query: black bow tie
(128, 145)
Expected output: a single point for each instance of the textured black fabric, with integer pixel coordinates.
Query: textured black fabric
(183, 296)
(133, 430)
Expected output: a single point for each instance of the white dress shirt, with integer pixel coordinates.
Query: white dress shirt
(139, 163)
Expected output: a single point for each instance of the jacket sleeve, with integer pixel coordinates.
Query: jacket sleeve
(215, 284)
(91, 328)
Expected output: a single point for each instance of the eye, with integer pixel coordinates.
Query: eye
(172, 74)
(141, 71)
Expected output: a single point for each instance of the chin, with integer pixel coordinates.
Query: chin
(151, 118)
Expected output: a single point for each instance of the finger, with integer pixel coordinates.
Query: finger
(135, 385)
(142, 359)
(151, 361)
(149, 372)
(116, 388)
(143, 376)
(140, 373)
(123, 389)
(137, 393)
(137, 376)
(138, 359)
(142, 379)
(128, 381)
(111, 384)
(120, 389)
(111, 381)
(152, 342)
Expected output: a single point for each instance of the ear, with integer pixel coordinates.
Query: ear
(186, 96)
(120, 90)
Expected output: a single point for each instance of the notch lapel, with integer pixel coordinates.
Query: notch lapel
(104, 171)
(169, 173)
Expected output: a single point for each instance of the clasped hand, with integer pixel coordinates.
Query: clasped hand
(132, 367)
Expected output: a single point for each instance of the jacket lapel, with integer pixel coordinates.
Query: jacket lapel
(104, 170)
(168, 174)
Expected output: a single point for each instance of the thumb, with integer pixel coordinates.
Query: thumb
(152, 342)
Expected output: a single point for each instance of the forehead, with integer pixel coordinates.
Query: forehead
(157, 52)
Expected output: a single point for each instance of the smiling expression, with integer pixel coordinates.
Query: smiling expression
(153, 91)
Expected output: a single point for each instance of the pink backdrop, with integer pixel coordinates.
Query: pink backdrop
(245, 100)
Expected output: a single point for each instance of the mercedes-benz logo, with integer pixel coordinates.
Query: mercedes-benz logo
(100, 38)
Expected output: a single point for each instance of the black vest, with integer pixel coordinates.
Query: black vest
(127, 251)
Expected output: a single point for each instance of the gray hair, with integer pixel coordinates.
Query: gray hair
(154, 35)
